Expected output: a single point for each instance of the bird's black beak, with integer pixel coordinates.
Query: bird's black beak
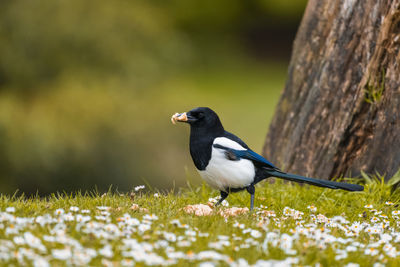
(181, 117)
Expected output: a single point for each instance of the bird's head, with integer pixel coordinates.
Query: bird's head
(201, 117)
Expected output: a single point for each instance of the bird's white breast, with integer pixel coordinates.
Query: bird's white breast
(222, 173)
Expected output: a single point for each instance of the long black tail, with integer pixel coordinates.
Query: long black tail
(317, 182)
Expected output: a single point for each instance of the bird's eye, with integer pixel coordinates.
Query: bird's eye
(200, 114)
(197, 114)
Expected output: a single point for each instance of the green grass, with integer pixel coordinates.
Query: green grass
(227, 237)
(374, 91)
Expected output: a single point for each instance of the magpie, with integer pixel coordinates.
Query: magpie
(227, 164)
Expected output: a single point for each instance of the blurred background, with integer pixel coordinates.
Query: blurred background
(87, 87)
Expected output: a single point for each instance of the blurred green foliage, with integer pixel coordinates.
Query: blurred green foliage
(40, 40)
(87, 87)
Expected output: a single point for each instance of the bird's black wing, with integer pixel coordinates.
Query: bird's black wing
(247, 154)
(236, 139)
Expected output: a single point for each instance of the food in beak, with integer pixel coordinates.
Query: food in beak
(178, 117)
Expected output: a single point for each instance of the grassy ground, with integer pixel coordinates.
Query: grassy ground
(292, 224)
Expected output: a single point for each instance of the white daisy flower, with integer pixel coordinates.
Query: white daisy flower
(59, 212)
(74, 209)
(374, 219)
(139, 187)
(61, 254)
(312, 208)
(103, 208)
(396, 212)
(106, 251)
(255, 233)
(10, 209)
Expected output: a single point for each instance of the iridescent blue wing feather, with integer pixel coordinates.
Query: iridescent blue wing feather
(250, 155)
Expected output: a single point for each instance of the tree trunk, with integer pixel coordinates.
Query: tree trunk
(340, 110)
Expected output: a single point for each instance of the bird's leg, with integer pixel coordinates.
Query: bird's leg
(251, 191)
(223, 196)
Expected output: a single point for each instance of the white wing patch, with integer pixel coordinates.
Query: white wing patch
(226, 142)
(222, 173)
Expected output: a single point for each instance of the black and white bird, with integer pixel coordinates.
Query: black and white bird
(227, 164)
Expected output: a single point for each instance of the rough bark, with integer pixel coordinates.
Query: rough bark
(340, 110)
